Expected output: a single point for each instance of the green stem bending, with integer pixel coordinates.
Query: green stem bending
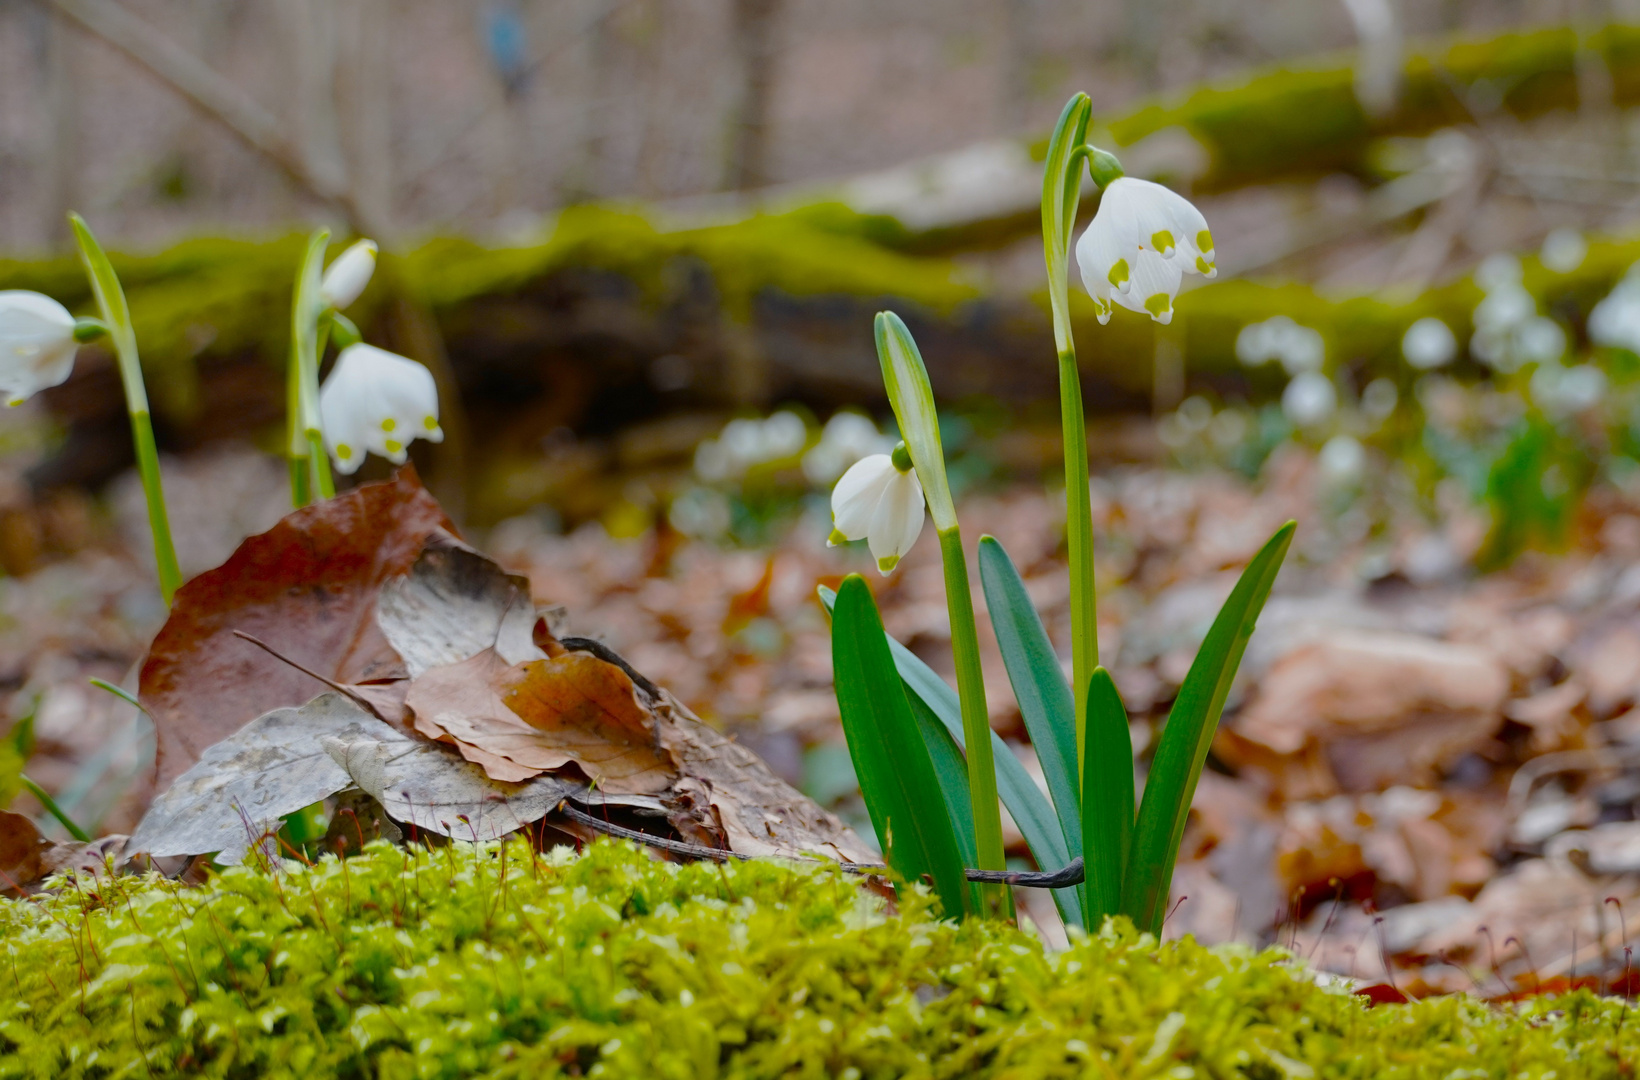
(116, 316)
(1079, 539)
(307, 444)
(165, 555)
(55, 811)
(976, 724)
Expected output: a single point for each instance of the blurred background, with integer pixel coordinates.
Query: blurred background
(639, 245)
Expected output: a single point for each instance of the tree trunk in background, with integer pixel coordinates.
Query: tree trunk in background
(754, 47)
(366, 88)
(312, 102)
(63, 159)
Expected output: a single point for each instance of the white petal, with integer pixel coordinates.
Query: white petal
(897, 521)
(1105, 259)
(1155, 284)
(854, 500)
(37, 346)
(346, 278)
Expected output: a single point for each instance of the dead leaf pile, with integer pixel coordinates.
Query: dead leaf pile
(451, 704)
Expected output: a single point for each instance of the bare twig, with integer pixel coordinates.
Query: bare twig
(1072, 874)
(347, 692)
(212, 94)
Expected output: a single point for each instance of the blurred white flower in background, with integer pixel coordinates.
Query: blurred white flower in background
(846, 438)
(1141, 242)
(1615, 321)
(37, 344)
(1497, 271)
(1567, 391)
(701, 512)
(1539, 340)
(1563, 250)
(1378, 400)
(1298, 348)
(1429, 343)
(1343, 460)
(881, 500)
(1310, 399)
(748, 442)
(376, 402)
(346, 277)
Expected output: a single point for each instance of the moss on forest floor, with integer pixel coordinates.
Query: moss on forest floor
(489, 961)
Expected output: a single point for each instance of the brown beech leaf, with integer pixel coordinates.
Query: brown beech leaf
(521, 720)
(22, 853)
(308, 587)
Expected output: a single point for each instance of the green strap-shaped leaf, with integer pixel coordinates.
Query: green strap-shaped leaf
(897, 778)
(941, 717)
(1038, 681)
(1189, 732)
(1107, 797)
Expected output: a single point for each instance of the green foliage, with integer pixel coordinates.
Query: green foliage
(490, 961)
(1533, 489)
(910, 809)
(1191, 723)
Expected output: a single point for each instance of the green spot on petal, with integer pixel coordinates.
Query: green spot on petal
(393, 446)
(430, 423)
(888, 563)
(836, 538)
(1203, 266)
(389, 424)
(1159, 304)
(1204, 240)
(344, 451)
(1118, 273)
(1162, 241)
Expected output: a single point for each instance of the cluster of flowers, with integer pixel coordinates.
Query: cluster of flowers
(374, 401)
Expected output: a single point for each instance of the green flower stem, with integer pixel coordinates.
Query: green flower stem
(1061, 192)
(307, 444)
(1079, 538)
(55, 811)
(116, 316)
(976, 725)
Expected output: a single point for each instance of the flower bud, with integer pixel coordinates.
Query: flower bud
(346, 278)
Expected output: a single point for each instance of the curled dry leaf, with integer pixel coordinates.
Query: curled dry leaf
(426, 785)
(241, 786)
(520, 720)
(308, 587)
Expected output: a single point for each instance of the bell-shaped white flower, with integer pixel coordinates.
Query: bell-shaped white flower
(879, 498)
(375, 402)
(37, 344)
(346, 278)
(1429, 343)
(1615, 320)
(1563, 250)
(1141, 242)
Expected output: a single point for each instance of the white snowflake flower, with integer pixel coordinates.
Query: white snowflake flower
(346, 278)
(880, 499)
(1429, 343)
(376, 402)
(37, 344)
(1141, 242)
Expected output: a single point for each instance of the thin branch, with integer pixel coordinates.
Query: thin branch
(1072, 874)
(347, 692)
(212, 94)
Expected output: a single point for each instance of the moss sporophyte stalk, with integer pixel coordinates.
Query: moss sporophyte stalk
(499, 961)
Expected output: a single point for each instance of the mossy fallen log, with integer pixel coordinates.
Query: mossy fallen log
(495, 961)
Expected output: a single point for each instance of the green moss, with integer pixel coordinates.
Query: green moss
(1298, 118)
(818, 251)
(482, 961)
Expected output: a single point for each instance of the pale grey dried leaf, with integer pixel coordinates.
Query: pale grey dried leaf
(271, 767)
(454, 603)
(430, 786)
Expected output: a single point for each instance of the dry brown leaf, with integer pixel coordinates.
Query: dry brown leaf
(518, 721)
(307, 587)
(22, 852)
